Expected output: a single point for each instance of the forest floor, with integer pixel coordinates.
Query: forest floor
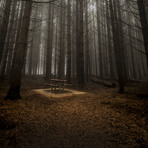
(94, 117)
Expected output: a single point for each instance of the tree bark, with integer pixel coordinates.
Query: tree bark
(16, 75)
(144, 24)
(99, 40)
(5, 22)
(115, 30)
(7, 47)
(80, 47)
(69, 42)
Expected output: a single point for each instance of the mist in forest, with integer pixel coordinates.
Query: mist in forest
(73, 73)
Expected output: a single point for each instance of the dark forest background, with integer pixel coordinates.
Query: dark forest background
(74, 73)
(73, 40)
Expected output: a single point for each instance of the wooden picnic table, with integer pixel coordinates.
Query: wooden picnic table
(57, 83)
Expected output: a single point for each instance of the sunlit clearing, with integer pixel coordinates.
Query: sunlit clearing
(66, 93)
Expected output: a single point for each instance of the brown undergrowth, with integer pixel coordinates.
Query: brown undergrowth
(97, 117)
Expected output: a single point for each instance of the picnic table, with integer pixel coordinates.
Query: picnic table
(57, 84)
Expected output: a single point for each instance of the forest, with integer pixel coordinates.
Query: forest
(74, 73)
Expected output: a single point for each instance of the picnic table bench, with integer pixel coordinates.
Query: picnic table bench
(57, 84)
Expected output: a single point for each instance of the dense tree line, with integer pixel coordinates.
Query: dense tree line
(70, 39)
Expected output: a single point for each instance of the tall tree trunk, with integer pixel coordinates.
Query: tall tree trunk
(87, 56)
(69, 42)
(80, 52)
(15, 39)
(144, 24)
(112, 69)
(16, 75)
(95, 49)
(7, 48)
(5, 22)
(56, 45)
(99, 40)
(116, 41)
(121, 41)
(32, 43)
(49, 50)
(61, 65)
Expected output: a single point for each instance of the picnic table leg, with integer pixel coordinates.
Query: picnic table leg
(60, 88)
(51, 87)
(55, 88)
(63, 88)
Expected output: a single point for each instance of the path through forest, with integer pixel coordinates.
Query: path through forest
(96, 117)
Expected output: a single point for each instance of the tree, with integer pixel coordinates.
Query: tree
(117, 41)
(144, 24)
(112, 67)
(87, 56)
(79, 43)
(99, 40)
(9, 38)
(61, 64)
(19, 57)
(4, 26)
(69, 42)
(49, 45)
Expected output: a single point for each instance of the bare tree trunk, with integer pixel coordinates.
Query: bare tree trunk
(7, 48)
(56, 46)
(61, 65)
(144, 24)
(99, 41)
(87, 56)
(3, 31)
(116, 41)
(94, 36)
(15, 39)
(32, 43)
(69, 42)
(49, 49)
(121, 41)
(16, 75)
(80, 52)
(112, 69)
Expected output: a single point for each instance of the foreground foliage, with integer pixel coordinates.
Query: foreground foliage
(97, 117)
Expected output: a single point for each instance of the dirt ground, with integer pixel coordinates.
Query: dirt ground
(95, 117)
